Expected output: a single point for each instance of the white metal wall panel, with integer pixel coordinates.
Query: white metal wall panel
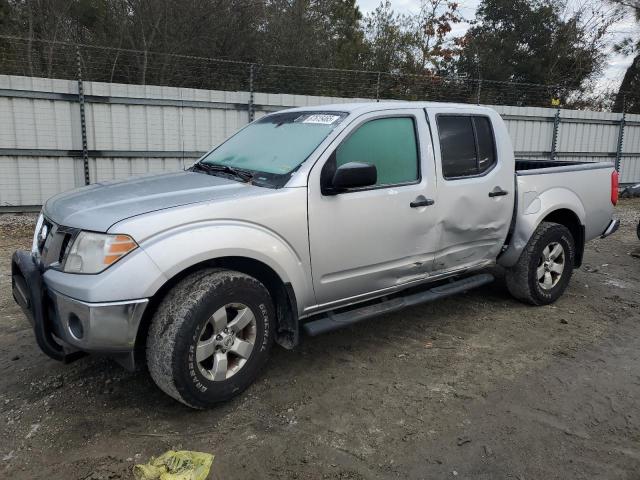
(13, 82)
(32, 123)
(630, 169)
(630, 165)
(182, 126)
(146, 127)
(35, 123)
(106, 169)
(587, 137)
(632, 137)
(530, 135)
(530, 128)
(32, 180)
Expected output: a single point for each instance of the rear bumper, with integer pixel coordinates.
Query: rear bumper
(64, 325)
(613, 226)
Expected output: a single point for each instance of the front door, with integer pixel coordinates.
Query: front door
(374, 238)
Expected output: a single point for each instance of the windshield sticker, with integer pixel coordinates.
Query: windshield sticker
(322, 119)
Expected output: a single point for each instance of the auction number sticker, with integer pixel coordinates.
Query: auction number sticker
(322, 119)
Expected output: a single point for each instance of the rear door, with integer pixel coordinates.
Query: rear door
(475, 186)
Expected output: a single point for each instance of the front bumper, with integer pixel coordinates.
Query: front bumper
(613, 226)
(64, 325)
(98, 327)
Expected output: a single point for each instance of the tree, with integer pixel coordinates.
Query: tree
(319, 33)
(388, 39)
(174, 42)
(535, 41)
(628, 97)
(417, 44)
(414, 49)
(431, 27)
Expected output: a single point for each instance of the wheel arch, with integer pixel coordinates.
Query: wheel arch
(282, 293)
(569, 219)
(559, 205)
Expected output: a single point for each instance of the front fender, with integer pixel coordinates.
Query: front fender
(533, 208)
(177, 249)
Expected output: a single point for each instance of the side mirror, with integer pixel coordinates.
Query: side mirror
(353, 175)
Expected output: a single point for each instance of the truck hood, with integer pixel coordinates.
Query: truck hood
(98, 206)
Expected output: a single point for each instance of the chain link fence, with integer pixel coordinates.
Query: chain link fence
(74, 114)
(39, 58)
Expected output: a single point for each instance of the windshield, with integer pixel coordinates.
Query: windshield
(274, 147)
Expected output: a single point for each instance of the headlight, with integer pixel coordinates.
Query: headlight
(94, 252)
(38, 238)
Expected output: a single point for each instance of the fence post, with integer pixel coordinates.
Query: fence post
(252, 112)
(83, 120)
(554, 137)
(378, 88)
(621, 133)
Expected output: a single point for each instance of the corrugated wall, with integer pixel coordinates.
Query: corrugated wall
(135, 129)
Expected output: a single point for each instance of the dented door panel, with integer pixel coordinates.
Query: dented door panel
(473, 225)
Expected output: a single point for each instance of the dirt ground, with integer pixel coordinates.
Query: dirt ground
(476, 386)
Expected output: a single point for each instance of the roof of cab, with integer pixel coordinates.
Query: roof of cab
(364, 107)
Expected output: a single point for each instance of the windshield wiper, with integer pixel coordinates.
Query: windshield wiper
(210, 168)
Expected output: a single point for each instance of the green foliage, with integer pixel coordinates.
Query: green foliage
(414, 44)
(172, 42)
(534, 41)
(311, 33)
(5, 12)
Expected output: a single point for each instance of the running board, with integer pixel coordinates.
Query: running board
(334, 321)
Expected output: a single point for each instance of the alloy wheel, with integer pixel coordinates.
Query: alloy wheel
(550, 266)
(226, 341)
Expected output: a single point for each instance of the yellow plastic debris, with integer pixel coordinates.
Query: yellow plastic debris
(175, 465)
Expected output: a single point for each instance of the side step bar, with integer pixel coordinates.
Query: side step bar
(333, 321)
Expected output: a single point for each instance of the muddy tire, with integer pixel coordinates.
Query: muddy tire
(545, 267)
(210, 336)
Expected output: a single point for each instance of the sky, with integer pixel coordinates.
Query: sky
(616, 64)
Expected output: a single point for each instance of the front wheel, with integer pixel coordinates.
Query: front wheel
(545, 266)
(210, 337)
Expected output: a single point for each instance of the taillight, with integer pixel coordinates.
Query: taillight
(614, 187)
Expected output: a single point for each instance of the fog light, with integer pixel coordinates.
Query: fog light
(75, 326)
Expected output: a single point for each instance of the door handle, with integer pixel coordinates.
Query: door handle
(498, 192)
(421, 201)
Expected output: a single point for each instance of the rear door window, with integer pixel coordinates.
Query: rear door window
(486, 145)
(467, 145)
(457, 146)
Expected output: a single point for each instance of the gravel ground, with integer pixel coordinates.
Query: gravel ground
(476, 386)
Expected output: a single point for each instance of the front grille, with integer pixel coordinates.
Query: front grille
(53, 242)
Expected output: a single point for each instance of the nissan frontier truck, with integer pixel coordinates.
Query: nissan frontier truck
(306, 220)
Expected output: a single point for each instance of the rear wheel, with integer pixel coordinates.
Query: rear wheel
(545, 266)
(210, 337)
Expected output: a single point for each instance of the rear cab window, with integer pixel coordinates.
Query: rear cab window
(467, 145)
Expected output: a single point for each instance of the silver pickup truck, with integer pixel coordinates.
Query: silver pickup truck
(306, 219)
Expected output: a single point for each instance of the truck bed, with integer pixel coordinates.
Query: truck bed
(542, 186)
(538, 167)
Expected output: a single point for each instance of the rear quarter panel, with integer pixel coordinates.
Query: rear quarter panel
(584, 189)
